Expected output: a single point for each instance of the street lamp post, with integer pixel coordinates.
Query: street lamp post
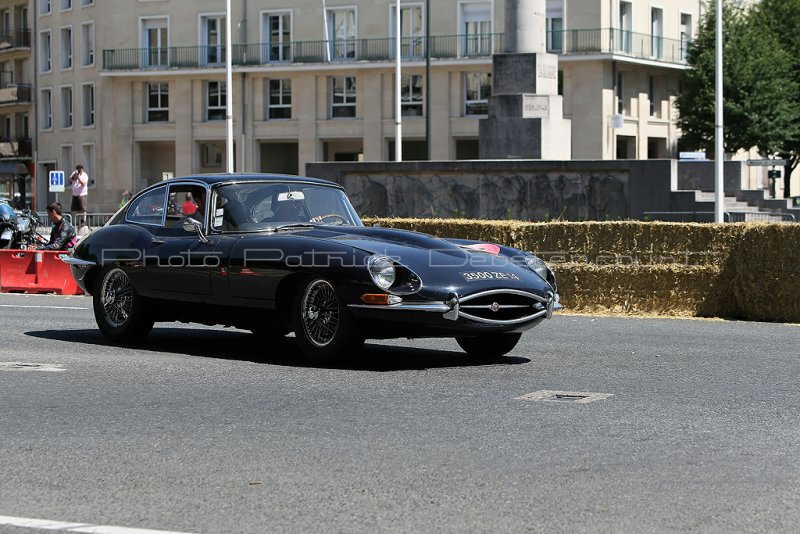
(228, 89)
(719, 156)
(398, 119)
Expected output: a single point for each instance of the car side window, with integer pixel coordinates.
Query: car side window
(148, 208)
(185, 201)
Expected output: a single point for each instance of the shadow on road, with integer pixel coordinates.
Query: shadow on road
(241, 346)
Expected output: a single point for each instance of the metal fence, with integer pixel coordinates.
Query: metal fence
(729, 216)
(568, 42)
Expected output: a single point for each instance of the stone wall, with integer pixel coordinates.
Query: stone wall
(506, 189)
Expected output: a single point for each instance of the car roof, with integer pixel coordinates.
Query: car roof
(220, 178)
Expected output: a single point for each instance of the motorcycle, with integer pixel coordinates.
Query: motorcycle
(18, 229)
(8, 225)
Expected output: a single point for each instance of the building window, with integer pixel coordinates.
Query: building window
(87, 44)
(216, 101)
(342, 33)
(213, 39)
(657, 32)
(477, 90)
(412, 31)
(66, 157)
(555, 34)
(279, 99)
(476, 29)
(66, 5)
(621, 108)
(88, 162)
(45, 52)
(625, 40)
(44, 7)
(686, 33)
(343, 97)
(651, 94)
(66, 48)
(87, 2)
(66, 107)
(277, 31)
(88, 104)
(411, 95)
(155, 38)
(46, 115)
(158, 102)
(211, 154)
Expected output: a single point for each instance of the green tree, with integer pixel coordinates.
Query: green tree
(760, 86)
(781, 18)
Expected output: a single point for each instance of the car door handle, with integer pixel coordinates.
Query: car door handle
(158, 242)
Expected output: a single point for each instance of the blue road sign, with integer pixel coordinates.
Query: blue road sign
(56, 182)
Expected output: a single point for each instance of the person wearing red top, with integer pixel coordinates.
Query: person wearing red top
(189, 207)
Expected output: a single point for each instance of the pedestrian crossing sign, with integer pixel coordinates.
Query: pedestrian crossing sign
(56, 182)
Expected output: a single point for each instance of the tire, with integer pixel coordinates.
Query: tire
(489, 345)
(121, 314)
(323, 326)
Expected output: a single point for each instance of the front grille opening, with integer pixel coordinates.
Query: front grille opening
(501, 306)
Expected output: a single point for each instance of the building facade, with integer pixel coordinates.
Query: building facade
(16, 77)
(135, 90)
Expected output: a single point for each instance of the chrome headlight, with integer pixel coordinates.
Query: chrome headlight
(537, 266)
(382, 271)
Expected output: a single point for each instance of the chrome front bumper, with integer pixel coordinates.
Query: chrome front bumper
(454, 307)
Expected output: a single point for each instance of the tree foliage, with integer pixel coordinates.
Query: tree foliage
(761, 82)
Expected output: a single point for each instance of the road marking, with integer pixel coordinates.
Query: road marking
(46, 524)
(22, 366)
(573, 397)
(45, 307)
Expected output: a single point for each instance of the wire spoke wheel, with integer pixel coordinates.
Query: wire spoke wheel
(320, 313)
(117, 298)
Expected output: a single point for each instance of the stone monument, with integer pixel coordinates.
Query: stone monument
(526, 118)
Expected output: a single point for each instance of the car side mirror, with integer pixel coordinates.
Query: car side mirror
(194, 226)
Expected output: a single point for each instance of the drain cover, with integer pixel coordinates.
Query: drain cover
(575, 397)
(22, 366)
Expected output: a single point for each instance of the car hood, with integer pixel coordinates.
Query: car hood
(405, 245)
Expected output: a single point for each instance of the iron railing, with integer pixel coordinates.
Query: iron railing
(10, 40)
(19, 93)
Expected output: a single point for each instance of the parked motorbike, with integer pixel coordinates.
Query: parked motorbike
(8, 225)
(18, 229)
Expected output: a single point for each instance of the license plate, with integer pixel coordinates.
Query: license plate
(488, 275)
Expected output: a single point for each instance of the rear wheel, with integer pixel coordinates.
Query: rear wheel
(323, 325)
(489, 345)
(121, 314)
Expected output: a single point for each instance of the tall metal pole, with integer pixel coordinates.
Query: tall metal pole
(719, 176)
(428, 76)
(228, 89)
(398, 119)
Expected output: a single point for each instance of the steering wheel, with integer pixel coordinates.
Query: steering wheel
(338, 219)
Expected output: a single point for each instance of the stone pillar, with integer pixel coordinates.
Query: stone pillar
(523, 17)
(525, 110)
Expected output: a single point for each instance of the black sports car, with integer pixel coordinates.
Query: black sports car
(274, 254)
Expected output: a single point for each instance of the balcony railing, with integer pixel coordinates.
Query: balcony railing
(611, 41)
(20, 147)
(19, 93)
(568, 42)
(10, 40)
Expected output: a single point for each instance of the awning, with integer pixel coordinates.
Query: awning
(12, 167)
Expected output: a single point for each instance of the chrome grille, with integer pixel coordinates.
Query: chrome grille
(503, 306)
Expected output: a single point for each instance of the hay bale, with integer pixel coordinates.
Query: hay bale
(767, 274)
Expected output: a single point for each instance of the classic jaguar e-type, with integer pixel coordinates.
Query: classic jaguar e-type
(274, 254)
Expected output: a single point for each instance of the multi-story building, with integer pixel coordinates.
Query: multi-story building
(16, 75)
(134, 90)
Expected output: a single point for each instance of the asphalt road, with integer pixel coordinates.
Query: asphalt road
(190, 433)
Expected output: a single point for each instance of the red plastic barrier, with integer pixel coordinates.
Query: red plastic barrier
(36, 271)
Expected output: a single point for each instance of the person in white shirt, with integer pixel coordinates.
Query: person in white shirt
(80, 196)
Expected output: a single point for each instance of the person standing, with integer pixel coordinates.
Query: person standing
(80, 196)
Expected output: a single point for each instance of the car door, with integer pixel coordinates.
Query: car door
(180, 262)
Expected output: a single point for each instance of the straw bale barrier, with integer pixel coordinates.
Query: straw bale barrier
(749, 271)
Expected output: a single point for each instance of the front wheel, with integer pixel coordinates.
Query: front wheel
(121, 314)
(322, 323)
(489, 345)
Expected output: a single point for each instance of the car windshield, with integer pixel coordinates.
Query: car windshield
(253, 206)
